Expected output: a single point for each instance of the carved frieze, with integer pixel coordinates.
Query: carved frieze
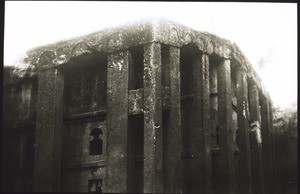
(131, 35)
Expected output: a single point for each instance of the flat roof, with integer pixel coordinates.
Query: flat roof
(140, 33)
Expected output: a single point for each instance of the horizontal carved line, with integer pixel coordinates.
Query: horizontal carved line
(212, 95)
(86, 115)
(216, 150)
(98, 163)
(186, 97)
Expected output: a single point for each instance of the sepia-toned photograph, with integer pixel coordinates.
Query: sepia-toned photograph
(149, 97)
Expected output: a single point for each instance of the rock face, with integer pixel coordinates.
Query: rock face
(147, 107)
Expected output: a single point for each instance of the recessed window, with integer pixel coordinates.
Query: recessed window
(96, 142)
(95, 186)
(136, 68)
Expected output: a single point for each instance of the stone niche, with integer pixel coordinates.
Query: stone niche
(85, 84)
(21, 100)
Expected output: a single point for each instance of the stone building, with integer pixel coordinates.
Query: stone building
(146, 107)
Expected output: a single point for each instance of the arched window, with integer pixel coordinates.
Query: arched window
(96, 142)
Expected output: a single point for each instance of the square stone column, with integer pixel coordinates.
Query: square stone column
(226, 159)
(255, 140)
(153, 181)
(201, 113)
(243, 128)
(172, 166)
(207, 124)
(117, 121)
(47, 161)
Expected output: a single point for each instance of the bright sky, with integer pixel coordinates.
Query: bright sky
(265, 32)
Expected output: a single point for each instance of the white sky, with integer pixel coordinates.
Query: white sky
(267, 30)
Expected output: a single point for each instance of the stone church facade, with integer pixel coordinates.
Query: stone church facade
(148, 107)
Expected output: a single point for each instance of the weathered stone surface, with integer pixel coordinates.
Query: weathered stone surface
(245, 176)
(117, 121)
(213, 84)
(266, 145)
(257, 168)
(170, 33)
(206, 123)
(198, 128)
(13, 75)
(78, 180)
(136, 101)
(172, 167)
(109, 40)
(76, 139)
(168, 90)
(152, 119)
(47, 168)
(20, 103)
(124, 37)
(165, 98)
(226, 159)
(18, 129)
(86, 85)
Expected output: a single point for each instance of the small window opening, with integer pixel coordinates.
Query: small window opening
(95, 186)
(96, 142)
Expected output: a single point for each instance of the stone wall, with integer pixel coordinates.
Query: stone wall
(149, 107)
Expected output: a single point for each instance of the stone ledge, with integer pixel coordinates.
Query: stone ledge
(99, 113)
(98, 163)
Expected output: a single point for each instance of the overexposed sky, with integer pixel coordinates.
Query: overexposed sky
(265, 32)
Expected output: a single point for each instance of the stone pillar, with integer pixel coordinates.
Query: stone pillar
(243, 128)
(117, 121)
(206, 123)
(226, 160)
(197, 161)
(201, 104)
(213, 76)
(266, 145)
(47, 161)
(152, 119)
(172, 135)
(255, 140)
